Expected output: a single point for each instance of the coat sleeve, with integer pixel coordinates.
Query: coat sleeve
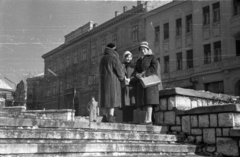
(118, 68)
(152, 69)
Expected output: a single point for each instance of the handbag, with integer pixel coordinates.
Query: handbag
(150, 81)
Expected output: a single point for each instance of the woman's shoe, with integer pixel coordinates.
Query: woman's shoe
(111, 119)
(104, 119)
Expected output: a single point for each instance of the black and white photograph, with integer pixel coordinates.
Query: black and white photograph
(119, 78)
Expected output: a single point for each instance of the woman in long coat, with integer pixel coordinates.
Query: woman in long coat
(146, 97)
(128, 88)
(111, 73)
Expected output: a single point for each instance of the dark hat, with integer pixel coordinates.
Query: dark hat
(111, 45)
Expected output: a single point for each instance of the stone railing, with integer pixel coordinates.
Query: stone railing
(62, 114)
(215, 127)
(172, 100)
(20, 111)
(13, 110)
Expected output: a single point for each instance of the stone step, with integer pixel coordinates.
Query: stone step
(47, 123)
(7, 149)
(51, 134)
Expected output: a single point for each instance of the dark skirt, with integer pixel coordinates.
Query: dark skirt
(147, 96)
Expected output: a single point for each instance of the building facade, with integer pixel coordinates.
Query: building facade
(197, 44)
(36, 91)
(76, 62)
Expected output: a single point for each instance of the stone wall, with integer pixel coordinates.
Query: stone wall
(217, 128)
(172, 100)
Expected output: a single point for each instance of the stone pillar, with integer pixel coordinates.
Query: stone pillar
(2, 103)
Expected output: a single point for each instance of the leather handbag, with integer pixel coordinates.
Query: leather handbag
(150, 81)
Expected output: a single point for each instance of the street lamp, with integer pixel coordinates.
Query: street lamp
(58, 85)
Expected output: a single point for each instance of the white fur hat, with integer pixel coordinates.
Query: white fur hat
(126, 53)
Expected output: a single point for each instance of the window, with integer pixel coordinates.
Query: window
(114, 39)
(179, 61)
(215, 87)
(48, 91)
(166, 64)
(61, 64)
(61, 86)
(157, 33)
(207, 54)
(54, 66)
(236, 4)
(68, 60)
(54, 88)
(189, 59)
(216, 12)
(75, 59)
(94, 53)
(84, 53)
(179, 27)
(69, 82)
(135, 33)
(217, 51)
(166, 31)
(75, 80)
(189, 23)
(206, 15)
(103, 45)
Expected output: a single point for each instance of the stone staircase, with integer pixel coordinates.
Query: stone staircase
(25, 136)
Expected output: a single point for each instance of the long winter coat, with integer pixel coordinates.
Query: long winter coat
(111, 73)
(129, 91)
(149, 95)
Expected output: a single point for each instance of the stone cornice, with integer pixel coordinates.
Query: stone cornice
(163, 8)
(121, 17)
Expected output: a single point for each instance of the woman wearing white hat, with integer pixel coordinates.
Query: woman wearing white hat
(148, 97)
(128, 88)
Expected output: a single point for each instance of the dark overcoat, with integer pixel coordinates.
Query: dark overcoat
(129, 91)
(149, 95)
(111, 73)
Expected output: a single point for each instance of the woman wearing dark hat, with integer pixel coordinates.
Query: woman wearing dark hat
(111, 73)
(148, 97)
(128, 88)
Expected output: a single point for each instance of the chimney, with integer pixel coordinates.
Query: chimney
(125, 9)
(116, 13)
(95, 25)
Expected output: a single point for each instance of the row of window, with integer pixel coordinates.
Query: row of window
(70, 83)
(73, 58)
(189, 57)
(179, 61)
(206, 21)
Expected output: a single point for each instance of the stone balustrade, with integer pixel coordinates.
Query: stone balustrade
(62, 114)
(20, 111)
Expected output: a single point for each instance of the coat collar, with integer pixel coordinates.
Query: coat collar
(111, 52)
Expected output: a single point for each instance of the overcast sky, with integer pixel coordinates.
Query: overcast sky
(31, 28)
